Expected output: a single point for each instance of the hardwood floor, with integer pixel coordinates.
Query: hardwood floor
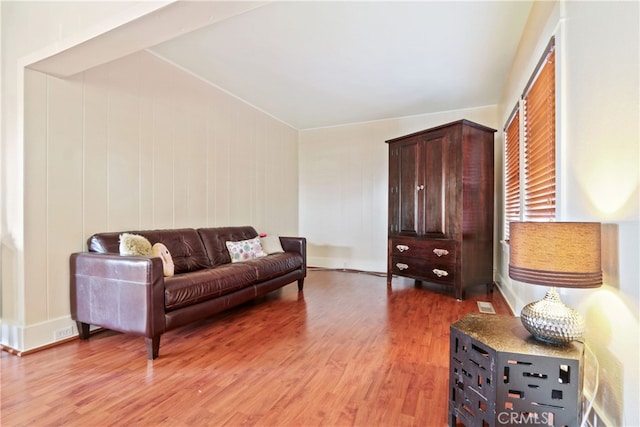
(347, 351)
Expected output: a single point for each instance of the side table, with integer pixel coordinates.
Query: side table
(500, 375)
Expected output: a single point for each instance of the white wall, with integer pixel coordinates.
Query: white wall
(132, 144)
(29, 31)
(343, 179)
(26, 29)
(598, 176)
(343, 187)
(343, 171)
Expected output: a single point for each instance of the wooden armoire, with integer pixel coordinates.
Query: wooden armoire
(441, 206)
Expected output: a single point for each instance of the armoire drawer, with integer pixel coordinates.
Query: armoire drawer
(439, 272)
(434, 250)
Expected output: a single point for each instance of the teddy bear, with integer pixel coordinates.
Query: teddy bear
(160, 250)
(136, 245)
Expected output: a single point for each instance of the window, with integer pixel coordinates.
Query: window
(530, 148)
(512, 171)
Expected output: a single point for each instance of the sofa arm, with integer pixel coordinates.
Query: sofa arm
(297, 245)
(122, 293)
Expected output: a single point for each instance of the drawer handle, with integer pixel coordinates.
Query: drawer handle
(419, 187)
(440, 252)
(402, 266)
(402, 248)
(440, 273)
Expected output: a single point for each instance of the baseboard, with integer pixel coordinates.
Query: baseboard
(26, 339)
(17, 352)
(21, 353)
(351, 264)
(507, 293)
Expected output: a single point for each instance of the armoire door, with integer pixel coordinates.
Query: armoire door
(436, 170)
(406, 199)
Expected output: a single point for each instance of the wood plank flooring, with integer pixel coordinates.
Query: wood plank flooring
(347, 351)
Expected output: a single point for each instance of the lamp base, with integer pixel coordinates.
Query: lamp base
(551, 321)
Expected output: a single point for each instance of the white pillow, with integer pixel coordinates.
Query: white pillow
(271, 244)
(244, 250)
(134, 244)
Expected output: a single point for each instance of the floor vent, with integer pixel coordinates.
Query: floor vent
(486, 307)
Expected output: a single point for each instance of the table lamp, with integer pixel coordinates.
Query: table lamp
(555, 254)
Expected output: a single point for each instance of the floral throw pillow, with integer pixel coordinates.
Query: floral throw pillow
(245, 249)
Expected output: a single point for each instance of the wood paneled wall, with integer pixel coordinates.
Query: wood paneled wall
(139, 144)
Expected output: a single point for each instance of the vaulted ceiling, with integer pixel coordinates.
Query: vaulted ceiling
(319, 63)
(324, 63)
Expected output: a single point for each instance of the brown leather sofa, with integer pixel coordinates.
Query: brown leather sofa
(130, 293)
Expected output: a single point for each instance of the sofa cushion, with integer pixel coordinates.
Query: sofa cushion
(214, 240)
(188, 289)
(275, 265)
(186, 248)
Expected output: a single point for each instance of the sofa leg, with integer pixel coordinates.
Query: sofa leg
(300, 284)
(153, 347)
(83, 330)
